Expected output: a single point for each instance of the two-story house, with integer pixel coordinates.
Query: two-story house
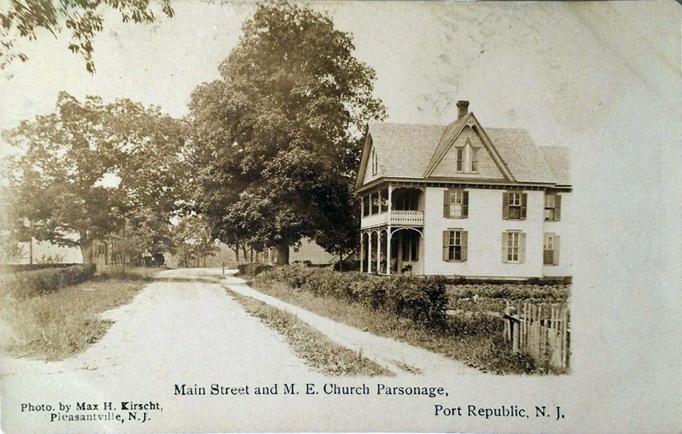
(461, 200)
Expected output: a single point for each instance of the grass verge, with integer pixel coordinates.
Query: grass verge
(475, 340)
(312, 346)
(63, 323)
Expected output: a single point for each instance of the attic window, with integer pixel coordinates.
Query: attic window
(375, 165)
(467, 158)
(460, 159)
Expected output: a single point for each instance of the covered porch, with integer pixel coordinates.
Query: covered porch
(391, 230)
(403, 245)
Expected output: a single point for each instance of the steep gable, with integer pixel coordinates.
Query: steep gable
(422, 152)
(452, 134)
(469, 142)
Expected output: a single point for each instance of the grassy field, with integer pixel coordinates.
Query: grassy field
(309, 344)
(63, 323)
(475, 340)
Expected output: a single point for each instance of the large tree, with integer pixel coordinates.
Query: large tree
(26, 19)
(279, 133)
(86, 169)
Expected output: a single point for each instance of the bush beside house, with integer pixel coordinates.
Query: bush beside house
(422, 300)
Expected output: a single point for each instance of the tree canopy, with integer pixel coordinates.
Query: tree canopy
(277, 137)
(89, 167)
(82, 19)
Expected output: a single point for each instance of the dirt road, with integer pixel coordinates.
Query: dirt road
(185, 330)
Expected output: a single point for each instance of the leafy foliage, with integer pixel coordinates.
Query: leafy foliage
(82, 19)
(193, 241)
(421, 300)
(277, 137)
(89, 166)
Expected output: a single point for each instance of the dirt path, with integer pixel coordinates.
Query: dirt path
(385, 351)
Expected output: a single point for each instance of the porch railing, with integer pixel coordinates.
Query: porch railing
(403, 217)
(398, 217)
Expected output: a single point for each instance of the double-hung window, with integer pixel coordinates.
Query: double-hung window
(513, 247)
(456, 204)
(552, 207)
(455, 243)
(514, 205)
(460, 159)
(551, 249)
(474, 159)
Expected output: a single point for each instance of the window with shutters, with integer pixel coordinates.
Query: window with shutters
(514, 206)
(513, 246)
(456, 204)
(551, 249)
(552, 207)
(455, 245)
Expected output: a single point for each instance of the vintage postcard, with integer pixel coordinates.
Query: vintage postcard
(340, 216)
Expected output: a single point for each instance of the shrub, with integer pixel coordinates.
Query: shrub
(418, 299)
(37, 282)
(253, 268)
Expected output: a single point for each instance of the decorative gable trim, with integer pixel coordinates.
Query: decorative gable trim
(364, 161)
(473, 123)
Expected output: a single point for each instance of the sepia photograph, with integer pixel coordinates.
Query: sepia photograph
(312, 216)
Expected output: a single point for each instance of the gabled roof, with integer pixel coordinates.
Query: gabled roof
(411, 150)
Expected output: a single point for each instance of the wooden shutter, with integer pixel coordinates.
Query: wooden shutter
(522, 247)
(557, 207)
(505, 237)
(465, 204)
(556, 250)
(446, 203)
(465, 245)
(446, 241)
(505, 206)
(524, 201)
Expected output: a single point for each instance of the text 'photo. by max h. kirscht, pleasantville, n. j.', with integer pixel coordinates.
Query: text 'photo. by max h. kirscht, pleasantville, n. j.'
(247, 216)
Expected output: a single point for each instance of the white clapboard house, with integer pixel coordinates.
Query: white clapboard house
(463, 200)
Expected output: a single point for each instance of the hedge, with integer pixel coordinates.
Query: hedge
(253, 268)
(22, 268)
(422, 300)
(550, 293)
(37, 282)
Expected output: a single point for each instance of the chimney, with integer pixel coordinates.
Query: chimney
(462, 109)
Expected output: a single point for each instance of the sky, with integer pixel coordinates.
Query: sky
(516, 63)
(578, 74)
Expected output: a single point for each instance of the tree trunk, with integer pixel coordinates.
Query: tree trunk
(86, 251)
(282, 254)
(340, 261)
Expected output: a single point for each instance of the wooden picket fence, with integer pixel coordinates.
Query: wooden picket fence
(540, 331)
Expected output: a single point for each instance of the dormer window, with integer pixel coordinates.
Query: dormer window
(375, 165)
(474, 159)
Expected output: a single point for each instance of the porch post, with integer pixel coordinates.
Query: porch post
(390, 205)
(369, 252)
(379, 250)
(362, 251)
(388, 244)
